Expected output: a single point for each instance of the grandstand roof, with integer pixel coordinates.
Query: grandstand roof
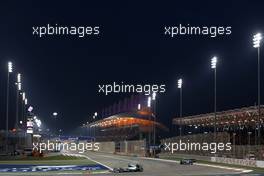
(241, 116)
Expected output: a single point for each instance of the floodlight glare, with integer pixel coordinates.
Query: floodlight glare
(139, 106)
(154, 96)
(30, 109)
(26, 101)
(149, 102)
(256, 40)
(10, 67)
(213, 62)
(95, 114)
(19, 78)
(179, 83)
(23, 96)
(19, 86)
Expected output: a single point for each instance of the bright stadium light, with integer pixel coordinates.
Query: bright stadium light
(139, 106)
(19, 78)
(179, 83)
(19, 87)
(154, 96)
(10, 67)
(38, 122)
(30, 109)
(149, 102)
(55, 114)
(23, 96)
(213, 62)
(256, 40)
(26, 101)
(95, 114)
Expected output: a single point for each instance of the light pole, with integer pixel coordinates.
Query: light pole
(23, 104)
(18, 83)
(213, 66)
(256, 44)
(10, 70)
(55, 116)
(154, 124)
(149, 106)
(180, 87)
(94, 117)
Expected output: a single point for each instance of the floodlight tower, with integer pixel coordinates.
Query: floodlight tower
(154, 95)
(256, 44)
(18, 83)
(180, 87)
(213, 66)
(10, 70)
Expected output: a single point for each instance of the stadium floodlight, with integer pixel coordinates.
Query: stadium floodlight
(26, 101)
(23, 96)
(95, 114)
(154, 94)
(38, 122)
(149, 102)
(179, 83)
(18, 78)
(256, 44)
(256, 40)
(213, 62)
(30, 109)
(54, 114)
(19, 87)
(10, 67)
(139, 106)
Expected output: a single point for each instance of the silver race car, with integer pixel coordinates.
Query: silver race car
(129, 168)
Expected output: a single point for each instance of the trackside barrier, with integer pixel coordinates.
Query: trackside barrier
(242, 162)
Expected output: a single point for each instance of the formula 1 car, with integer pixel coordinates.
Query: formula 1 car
(129, 168)
(187, 161)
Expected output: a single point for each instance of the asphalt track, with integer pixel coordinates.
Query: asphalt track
(154, 167)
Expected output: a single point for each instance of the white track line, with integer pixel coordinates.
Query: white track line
(79, 155)
(117, 158)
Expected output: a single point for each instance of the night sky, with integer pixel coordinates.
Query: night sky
(62, 73)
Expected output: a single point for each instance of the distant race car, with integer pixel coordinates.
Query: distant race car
(129, 168)
(187, 161)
